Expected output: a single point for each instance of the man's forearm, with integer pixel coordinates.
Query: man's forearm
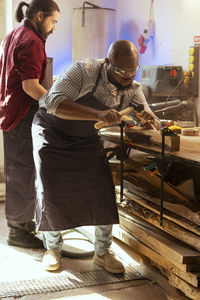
(33, 88)
(68, 109)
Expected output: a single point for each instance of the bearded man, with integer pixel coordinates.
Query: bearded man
(22, 69)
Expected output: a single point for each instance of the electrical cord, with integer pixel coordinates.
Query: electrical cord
(85, 254)
(167, 108)
(174, 88)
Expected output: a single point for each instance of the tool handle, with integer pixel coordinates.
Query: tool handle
(100, 124)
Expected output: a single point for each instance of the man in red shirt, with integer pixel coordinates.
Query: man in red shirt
(22, 69)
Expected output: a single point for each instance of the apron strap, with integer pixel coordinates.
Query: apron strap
(119, 107)
(97, 81)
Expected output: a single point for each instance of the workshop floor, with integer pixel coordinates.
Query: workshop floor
(20, 264)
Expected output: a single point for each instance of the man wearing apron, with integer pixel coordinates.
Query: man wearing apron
(73, 179)
(22, 70)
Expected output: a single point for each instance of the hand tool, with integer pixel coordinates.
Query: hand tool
(132, 106)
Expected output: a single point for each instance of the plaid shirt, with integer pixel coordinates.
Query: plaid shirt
(80, 78)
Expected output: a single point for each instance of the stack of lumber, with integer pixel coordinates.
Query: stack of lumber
(173, 248)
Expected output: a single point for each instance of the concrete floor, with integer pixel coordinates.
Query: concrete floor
(19, 264)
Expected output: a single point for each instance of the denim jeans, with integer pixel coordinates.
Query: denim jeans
(103, 239)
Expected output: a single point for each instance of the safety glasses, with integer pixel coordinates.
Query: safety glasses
(122, 72)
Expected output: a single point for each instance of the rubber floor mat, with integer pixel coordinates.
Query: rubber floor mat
(64, 282)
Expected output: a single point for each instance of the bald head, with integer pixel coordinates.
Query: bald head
(122, 63)
(123, 52)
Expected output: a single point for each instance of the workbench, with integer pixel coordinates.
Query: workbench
(189, 152)
(140, 213)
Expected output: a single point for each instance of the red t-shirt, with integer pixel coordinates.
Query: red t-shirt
(22, 56)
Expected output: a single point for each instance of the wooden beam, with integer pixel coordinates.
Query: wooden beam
(189, 290)
(166, 213)
(172, 143)
(165, 246)
(182, 270)
(155, 182)
(192, 278)
(168, 226)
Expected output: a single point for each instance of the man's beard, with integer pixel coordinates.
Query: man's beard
(43, 33)
(118, 85)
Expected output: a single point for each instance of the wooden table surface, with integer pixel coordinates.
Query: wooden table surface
(189, 146)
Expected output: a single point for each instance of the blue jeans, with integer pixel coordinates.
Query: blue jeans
(103, 239)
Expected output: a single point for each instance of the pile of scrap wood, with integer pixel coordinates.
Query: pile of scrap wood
(174, 247)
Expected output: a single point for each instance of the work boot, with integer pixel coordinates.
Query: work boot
(109, 262)
(30, 226)
(20, 235)
(51, 260)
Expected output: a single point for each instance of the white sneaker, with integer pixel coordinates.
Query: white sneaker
(109, 262)
(51, 260)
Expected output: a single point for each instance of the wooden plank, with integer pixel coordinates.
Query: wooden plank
(155, 181)
(155, 276)
(166, 213)
(172, 143)
(168, 226)
(145, 137)
(189, 290)
(181, 270)
(140, 221)
(192, 278)
(165, 246)
(189, 146)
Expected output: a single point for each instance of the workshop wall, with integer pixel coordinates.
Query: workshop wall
(133, 19)
(63, 54)
(186, 25)
(176, 23)
(171, 42)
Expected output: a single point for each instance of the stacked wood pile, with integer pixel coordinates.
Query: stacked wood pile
(174, 247)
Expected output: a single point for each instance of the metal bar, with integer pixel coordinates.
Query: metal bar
(83, 10)
(122, 161)
(162, 178)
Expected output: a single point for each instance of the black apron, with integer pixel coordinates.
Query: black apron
(20, 169)
(74, 183)
(19, 164)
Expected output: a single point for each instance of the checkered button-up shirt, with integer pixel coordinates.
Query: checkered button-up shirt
(80, 78)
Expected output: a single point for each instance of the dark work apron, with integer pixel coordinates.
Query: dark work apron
(19, 164)
(74, 183)
(20, 170)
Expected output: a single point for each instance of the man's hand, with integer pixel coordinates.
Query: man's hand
(109, 116)
(146, 119)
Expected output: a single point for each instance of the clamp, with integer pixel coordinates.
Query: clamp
(121, 152)
(163, 164)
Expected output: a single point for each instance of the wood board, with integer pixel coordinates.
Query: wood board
(167, 214)
(181, 270)
(155, 181)
(190, 212)
(168, 226)
(172, 143)
(189, 148)
(165, 246)
(186, 288)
